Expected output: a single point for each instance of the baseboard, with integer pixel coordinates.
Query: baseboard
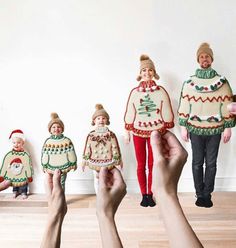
(85, 186)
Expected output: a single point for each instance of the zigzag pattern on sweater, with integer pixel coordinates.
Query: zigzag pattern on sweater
(218, 99)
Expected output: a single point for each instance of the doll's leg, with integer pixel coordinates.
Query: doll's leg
(24, 191)
(151, 202)
(63, 180)
(15, 192)
(95, 181)
(212, 148)
(198, 154)
(140, 151)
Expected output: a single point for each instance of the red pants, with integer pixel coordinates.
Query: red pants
(142, 147)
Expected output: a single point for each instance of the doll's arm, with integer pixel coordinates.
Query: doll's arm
(184, 108)
(130, 112)
(3, 170)
(71, 154)
(167, 112)
(87, 151)
(116, 155)
(29, 169)
(229, 118)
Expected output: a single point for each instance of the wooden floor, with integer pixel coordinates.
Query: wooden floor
(22, 222)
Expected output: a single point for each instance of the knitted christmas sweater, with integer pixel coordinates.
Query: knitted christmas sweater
(58, 153)
(101, 149)
(148, 108)
(17, 168)
(203, 103)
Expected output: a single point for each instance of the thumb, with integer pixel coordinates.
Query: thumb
(102, 177)
(232, 107)
(157, 146)
(57, 179)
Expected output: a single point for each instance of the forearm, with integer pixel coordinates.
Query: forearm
(179, 231)
(52, 234)
(108, 230)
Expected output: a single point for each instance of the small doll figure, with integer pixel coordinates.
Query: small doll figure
(17, 166)
(148, 108)
(101, 147)
(58, 151)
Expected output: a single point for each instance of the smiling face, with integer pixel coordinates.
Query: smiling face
(147, 74)
(205, 60)
(18, 144)
(100, 121)
(56, 129)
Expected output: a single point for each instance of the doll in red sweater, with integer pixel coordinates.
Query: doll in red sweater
(148, 108)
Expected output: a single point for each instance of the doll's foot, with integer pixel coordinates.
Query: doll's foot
(24, 196)
(151, 202)
(200, 202)
(144, 202)
(15, 194)
(208, 202)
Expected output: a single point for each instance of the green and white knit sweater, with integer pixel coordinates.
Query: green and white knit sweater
(203, 103)
(58, 153)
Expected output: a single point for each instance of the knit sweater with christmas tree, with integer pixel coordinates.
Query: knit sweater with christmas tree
(58, 153)
(17, 168)
(101, 149)
(148, 108)
(203, 103)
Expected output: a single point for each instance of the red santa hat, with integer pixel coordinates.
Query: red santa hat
(16, 161)
(17, 134)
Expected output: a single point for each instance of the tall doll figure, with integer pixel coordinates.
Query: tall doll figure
(17, 166)
(101, 146)
(204, 117)
(148, 108)
(58, 151)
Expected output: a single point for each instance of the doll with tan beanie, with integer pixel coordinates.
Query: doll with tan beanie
(101, 146)
(204, 118)
(148, 108)
(17, 166)
(58, 151)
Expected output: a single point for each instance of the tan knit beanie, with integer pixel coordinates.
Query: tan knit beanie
(55, 119)
(204, 48)
(100, 111)
(146, 62)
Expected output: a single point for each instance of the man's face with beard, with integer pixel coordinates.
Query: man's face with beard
(16, 168)
(204, 60)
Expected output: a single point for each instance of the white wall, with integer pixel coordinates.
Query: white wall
(66, 56)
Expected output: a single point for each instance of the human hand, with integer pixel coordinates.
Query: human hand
(232, 108)
(184, 133)
(4, 184)
(127, 137)
(226, 135)
(111, 191)
(169, 158)
(56, 197)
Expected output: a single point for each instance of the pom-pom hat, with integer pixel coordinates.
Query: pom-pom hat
(55, 119)
(146, 62)
(205, 48)
(100, 111)
(17, 134)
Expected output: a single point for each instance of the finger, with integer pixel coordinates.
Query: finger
(103, 173)
(57, 180)
(172, 141)
(118, 181)
(4, 185)
(48, 183)
(157, 146)
(232, 108)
